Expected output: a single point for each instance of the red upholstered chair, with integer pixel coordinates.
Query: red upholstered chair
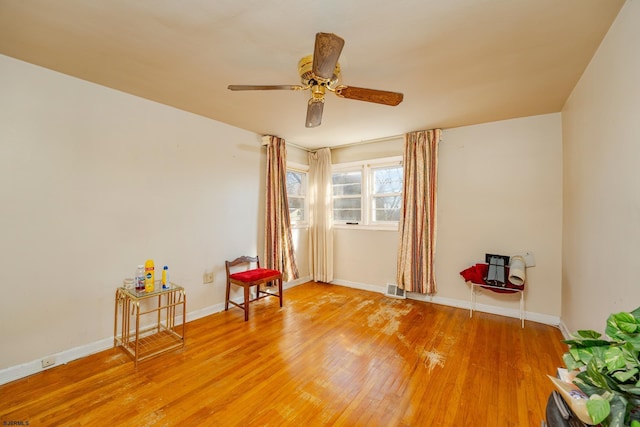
(251, 276)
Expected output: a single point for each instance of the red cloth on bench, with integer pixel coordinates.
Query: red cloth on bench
(478, 272)
(255, 274)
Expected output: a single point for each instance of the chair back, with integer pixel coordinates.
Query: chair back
(240, 261)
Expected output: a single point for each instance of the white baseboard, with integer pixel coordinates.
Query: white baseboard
(13, 373)
(356, 285)
(485, 308)
(565, 331)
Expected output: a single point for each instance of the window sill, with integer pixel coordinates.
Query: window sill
(393, 227)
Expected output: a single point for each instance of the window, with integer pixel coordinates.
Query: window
(297, 196)
(347, 196)
(369, 193)
(386, 193)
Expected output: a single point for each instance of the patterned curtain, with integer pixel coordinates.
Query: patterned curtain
(320, 216)
(279, 253)
(417, 224)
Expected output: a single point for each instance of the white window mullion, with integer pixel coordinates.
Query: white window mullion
(366, 196)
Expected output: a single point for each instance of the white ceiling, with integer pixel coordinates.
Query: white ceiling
(458, 62)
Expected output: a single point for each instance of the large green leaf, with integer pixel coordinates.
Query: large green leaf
(620, 322)
(588, 333)
(580, 343)
(581, 354)
(618, 411)
(614, 359)
(595, 377)
(599, 357)
(571, 363)
(624, 376)
(636, 314)
(631, 389)
(630, 355)
(598, 408)
(631, 339)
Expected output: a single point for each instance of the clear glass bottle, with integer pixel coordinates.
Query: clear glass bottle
(139, 280)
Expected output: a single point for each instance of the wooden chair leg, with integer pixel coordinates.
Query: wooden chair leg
(246, 303)
(226, 301)
(280, 290)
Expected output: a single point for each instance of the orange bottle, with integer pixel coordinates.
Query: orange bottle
(149, 275)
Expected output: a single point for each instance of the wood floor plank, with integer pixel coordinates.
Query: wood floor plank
(331, 356)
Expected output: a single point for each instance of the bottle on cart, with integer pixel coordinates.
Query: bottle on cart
(165, 277)
(139, 280)
(149, 275)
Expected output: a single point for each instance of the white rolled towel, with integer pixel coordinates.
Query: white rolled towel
(517, 270)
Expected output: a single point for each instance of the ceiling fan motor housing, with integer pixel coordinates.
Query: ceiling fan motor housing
(308, 79)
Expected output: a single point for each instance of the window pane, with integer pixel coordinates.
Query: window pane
(387, 180)
(347, 183)
(386, 208)
(347, 209)
(295, 183)
(296, 208)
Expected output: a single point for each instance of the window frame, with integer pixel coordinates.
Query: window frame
(367, 196)
(361, 197)
(303, 169)
(373, 196)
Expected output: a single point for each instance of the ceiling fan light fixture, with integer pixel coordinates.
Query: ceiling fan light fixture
(314, 112)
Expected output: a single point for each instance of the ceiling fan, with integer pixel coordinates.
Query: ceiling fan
(321, 72)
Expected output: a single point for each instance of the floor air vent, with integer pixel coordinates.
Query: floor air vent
(394, 291)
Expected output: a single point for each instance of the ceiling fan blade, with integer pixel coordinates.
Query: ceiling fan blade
(369, 95)
(265, 87)
(325, 55)
(314, 113)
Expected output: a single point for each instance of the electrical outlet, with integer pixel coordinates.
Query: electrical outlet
(207, 277)
(48, 361)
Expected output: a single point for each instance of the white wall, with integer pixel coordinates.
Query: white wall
(93, 182)
(499, 192)
(601, 133)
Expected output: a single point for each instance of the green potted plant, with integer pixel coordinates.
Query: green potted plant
(610, 370)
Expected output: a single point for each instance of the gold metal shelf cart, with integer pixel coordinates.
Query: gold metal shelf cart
(147, 324)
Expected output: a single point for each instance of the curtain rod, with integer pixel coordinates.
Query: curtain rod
(349, 144)
(386, 138)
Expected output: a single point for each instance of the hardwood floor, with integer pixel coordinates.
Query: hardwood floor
(331, 356)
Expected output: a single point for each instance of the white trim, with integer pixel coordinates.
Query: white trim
(298, 167)
(357, 285)
(13, 373)
(370, 141)
(393, 160)
(491, 309)
(376, 227)
(565, 331)
(303, 170)
(17, 372)
(465, 304)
